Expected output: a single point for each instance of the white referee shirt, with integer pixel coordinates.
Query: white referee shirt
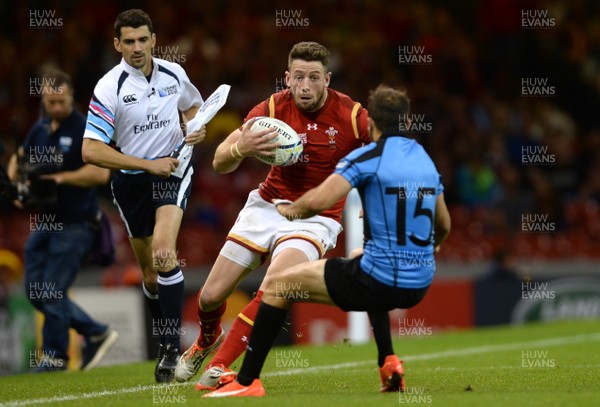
(141, 117)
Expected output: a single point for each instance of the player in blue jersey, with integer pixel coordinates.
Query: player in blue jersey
(138, 108)
(405, 219)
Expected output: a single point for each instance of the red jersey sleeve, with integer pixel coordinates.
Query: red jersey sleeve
(363, 125)
(261, 109)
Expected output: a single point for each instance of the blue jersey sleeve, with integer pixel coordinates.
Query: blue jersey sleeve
(356, 166)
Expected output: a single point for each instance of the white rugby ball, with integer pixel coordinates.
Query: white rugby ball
(290, 148)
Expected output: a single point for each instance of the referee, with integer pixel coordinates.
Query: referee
(133, 125)
(406, 220)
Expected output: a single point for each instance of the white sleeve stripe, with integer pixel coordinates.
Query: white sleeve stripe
(101, 117)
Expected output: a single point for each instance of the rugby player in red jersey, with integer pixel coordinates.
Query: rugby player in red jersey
(330, 125)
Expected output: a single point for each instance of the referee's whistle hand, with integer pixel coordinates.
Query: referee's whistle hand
(163, 167)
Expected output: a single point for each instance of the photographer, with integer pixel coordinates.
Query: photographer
(54, 183)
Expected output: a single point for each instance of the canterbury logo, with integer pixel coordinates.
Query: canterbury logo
(129, 99)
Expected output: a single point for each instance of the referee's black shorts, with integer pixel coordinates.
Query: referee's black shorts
(352, 289)
(139, 195)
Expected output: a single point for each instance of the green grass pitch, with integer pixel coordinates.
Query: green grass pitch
(554, 364)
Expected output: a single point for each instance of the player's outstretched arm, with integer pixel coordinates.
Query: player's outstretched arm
(316, 200)
(442, 222)
(241, 144)
(98, 153)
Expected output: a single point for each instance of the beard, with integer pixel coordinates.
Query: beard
(309, 104)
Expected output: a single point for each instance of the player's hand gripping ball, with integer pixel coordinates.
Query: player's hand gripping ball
(290, 148)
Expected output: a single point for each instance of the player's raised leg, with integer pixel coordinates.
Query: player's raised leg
(224, 277)
(217, 373)
(305, 281)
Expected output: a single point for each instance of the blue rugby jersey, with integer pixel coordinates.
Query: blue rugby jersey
(398, 184)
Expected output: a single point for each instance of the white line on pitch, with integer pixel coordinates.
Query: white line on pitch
(86, 396)
(449, 353)
(316, 369)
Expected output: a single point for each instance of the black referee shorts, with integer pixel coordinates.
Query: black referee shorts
(139, 195)
(352, 289)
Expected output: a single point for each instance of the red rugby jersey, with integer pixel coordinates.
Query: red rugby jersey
(328, 134)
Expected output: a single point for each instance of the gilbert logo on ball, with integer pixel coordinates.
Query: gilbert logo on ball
(290, 148)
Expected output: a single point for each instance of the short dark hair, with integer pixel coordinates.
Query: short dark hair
(57, 78)
(132, 18)
(388, 107)
(309, 51)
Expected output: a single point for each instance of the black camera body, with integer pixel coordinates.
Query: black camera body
(29, 189)
(8, 189)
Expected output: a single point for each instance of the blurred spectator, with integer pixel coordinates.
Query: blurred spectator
(471, 92)
(503, 268)
(476, 181)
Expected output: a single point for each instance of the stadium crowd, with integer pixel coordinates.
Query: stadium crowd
(503, 98)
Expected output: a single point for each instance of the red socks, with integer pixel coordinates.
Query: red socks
(209, 323)
(239, 335)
